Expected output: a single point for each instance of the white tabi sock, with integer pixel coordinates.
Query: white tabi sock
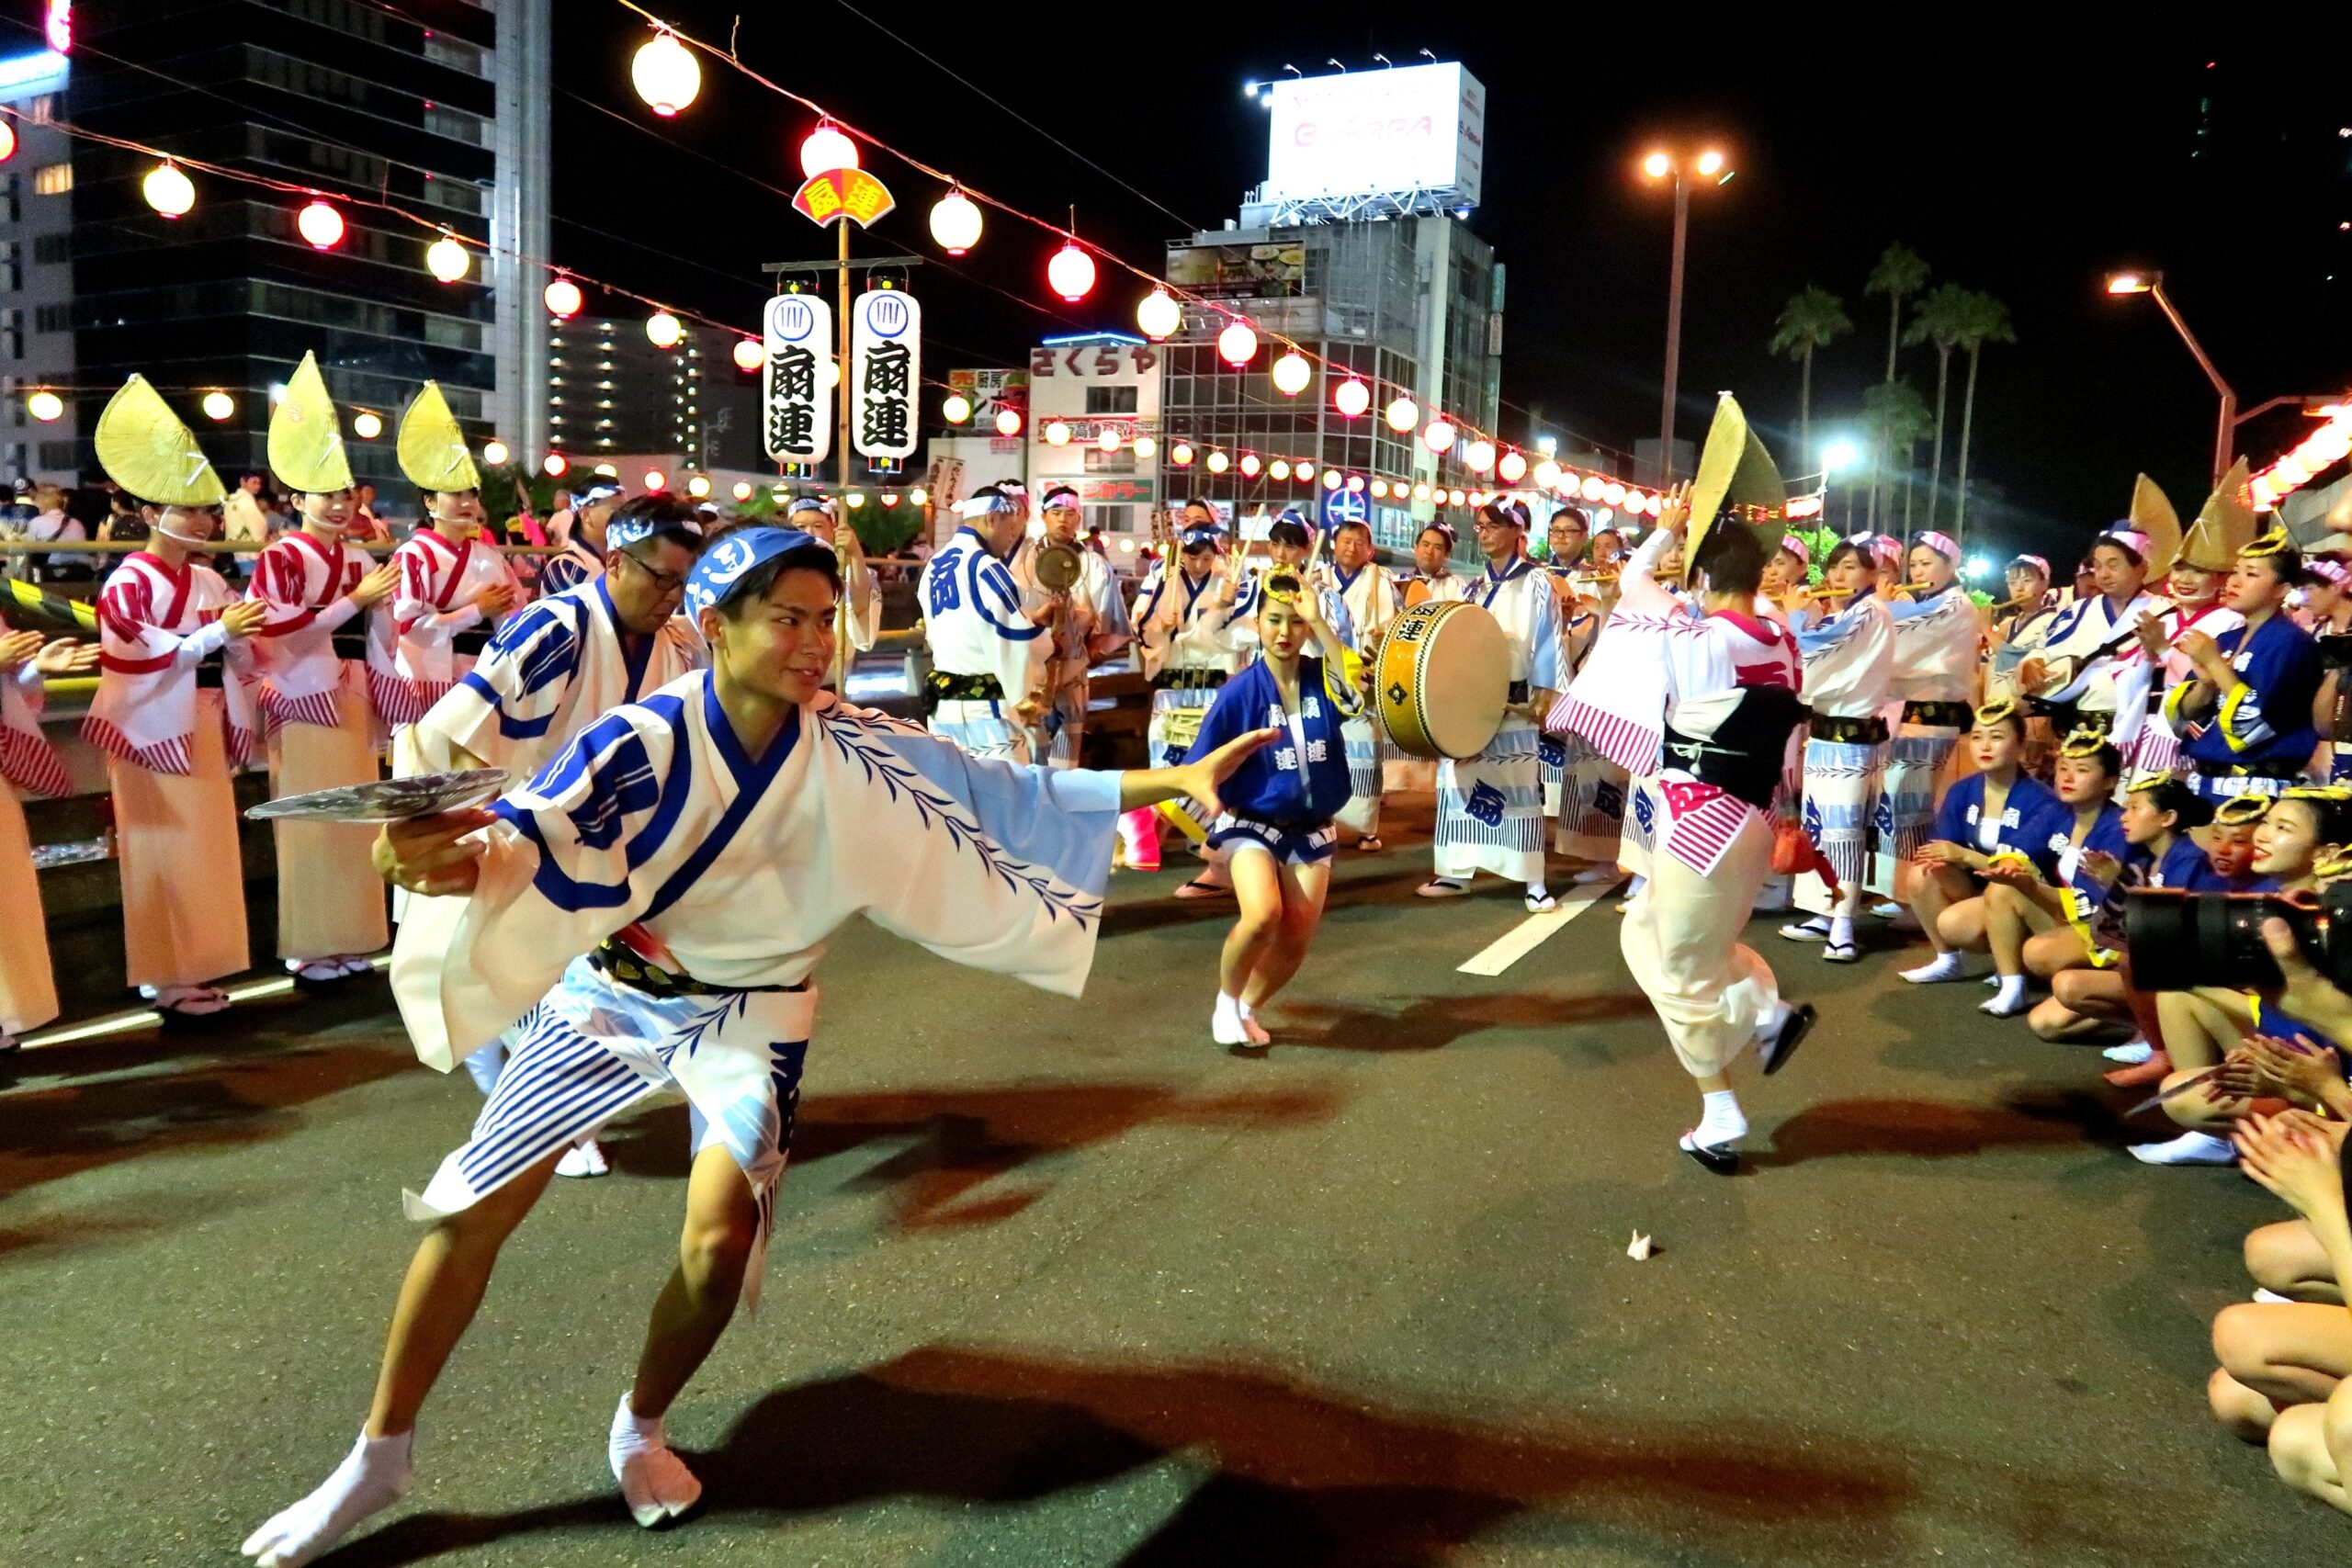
(2008, 1001)
(1225, 1023)
(655, 1483)
(373, 1476)
(1942, 966)
(1721, 1123)
(1841, 932)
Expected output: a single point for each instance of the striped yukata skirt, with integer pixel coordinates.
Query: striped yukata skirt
(594, 1047)
(1069, 738)
(1491, 810)
(1841, 793)
(984, 728)
(1365, 760)
(1915, 759)
(1592, 804)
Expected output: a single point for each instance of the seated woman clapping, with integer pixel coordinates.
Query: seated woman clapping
(1998, 812)
(2304, 830)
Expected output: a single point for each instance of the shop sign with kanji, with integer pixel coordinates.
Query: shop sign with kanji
(886, 372)
(796, 390)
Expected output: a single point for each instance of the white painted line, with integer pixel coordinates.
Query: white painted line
(148, 1017)
(1530, 933)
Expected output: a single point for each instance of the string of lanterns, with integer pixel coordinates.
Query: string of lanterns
(668, 72)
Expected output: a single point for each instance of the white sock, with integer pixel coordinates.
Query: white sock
(1721, 1122)
(1841, 932)
(655, 1483)
(2007, 999)
(1225, 1024)
(1769, 1029)
(1942, 966)
(372, 1476)
(1243, 1008)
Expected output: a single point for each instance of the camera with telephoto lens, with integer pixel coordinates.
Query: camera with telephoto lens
(2177, 939)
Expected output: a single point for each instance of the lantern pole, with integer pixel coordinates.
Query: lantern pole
(840, 399)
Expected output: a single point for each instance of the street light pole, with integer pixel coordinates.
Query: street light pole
(1673, 331)
(2225, 434)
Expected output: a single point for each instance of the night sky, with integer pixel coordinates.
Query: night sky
(2024, 164)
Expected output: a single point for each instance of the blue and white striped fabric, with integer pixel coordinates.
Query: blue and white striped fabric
(1490, 809)
(1592, 803)
(1915, 762)
(1366, 757)
(982, 727)
(594, 1047)
(1841, 801)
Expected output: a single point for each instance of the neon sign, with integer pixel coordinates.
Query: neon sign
(60, 25)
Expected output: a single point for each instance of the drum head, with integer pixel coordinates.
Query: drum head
(1465, 682)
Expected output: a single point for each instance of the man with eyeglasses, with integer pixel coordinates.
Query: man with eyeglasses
(562, 660)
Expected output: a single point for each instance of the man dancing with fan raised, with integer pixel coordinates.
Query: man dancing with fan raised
(1707, 703)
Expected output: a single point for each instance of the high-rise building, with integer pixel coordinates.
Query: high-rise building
(610, 390)
(438, 107)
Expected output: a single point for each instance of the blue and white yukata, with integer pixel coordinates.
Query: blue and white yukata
(2109, 692)
(1588, 799)
(1283, 798)
(1098, 614)
(552, 667)
(1848, 667)
(1937, 639)
(987, 656)
(1490, 806)
(2259, 738)
(1372, 597)
(653, 905)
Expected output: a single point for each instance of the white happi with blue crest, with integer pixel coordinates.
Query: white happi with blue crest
(973, 621)
(1490, 806)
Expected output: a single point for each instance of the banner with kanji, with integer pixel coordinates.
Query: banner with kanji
(886, 372)
(796, 390)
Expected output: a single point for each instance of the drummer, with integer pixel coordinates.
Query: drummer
(1490, 806)
(1276, 828)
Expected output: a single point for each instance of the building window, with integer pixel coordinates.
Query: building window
(455, 53)
(1098, 461)
(12, 267)
(1111, 400)
(456, 125)
(53, 317)
(50, 250)
(53, 179)
(57, 453)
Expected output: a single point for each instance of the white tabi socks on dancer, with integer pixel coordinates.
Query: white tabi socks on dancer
(2009, 1000)
(1720, 1123)
(1942, 966)
(655, 1482)
(372, 1477)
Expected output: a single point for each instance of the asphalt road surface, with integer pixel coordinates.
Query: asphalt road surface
(1061, 1282)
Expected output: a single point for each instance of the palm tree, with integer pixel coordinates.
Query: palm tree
(1900, 273)
(1941, 317)
(1988, 320)
(1898, 420)
(1808, 322)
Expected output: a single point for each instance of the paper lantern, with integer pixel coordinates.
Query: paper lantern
(665, 74)
(1478, 456)
(1330, 479)
(1593, 486)
(1146, 446)
(368, 424)
(1056, 433)
(1457, 498)
(320, 225)
(46, 407)
(1291, 373)
(7, 141)
(1547, 475)
(663, 330)
(563, 299)
(856, 499)
(742, 490)
(1612, 492)
(1008, 422)
(1219, 462)
(1438, 435)
(890, 498)
(168, 191)
(1303, 472)
(1511, 468)
(1355, 483)
(1249, 465)
(698, 486)
(918, 496)
(825, 148)
(1380, 490)
(1351, 398)
(1159, 316)
(1109, 440)
(219, 406)
(656, 482)
(1278, 470)
(1237, 345)
(956, 222)
(955, 408)
(750, 354)
(494, 452)
(1403, 414)
(1181, 454)
(1421, 491)
(1071, 272)
(447, 259)
(556, 465)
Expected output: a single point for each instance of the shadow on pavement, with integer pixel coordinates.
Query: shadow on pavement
(1435, 1022)
(1296, 1475)
(1928, 1129)
(966, 1139)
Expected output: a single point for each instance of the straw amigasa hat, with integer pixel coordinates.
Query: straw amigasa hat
(306, 435)
(146, 449)
(2223, 528)
(433, 448)
(1735, 472)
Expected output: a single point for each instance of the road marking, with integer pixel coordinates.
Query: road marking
(148, 1017)
(1530, 933)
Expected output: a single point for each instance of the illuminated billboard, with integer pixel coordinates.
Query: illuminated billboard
(1409, 127)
